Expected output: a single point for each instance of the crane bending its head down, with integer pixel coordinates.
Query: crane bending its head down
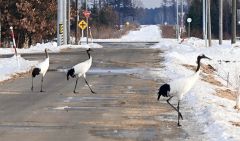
(41, 68)
(179, 87)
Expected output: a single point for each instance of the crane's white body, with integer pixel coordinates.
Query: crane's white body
(81, 68)
(43, 66)
(181, 86)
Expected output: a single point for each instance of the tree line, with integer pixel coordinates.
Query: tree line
(36, 21)
(195, 12)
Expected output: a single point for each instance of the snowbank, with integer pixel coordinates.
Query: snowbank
(214, 113)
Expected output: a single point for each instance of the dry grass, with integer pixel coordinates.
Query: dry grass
(210, 79)
(208, 76)
(208, 71)
(16, 76)
(226, 93)
(168, 31)
(235, 123)
(104, 32)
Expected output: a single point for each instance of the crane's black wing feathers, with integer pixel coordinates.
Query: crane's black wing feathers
(71, 73)
(164, 90)
(36, 71)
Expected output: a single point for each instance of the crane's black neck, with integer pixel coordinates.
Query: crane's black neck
(46, 53)
(198, 63)
(88, 54)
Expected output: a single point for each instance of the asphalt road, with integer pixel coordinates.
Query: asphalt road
(124, 108)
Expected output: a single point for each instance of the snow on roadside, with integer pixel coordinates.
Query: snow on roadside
(52, 46)
(214, 113)
(14, 65)
(10, 66)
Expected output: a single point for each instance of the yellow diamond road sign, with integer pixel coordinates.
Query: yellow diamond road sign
(82, 24)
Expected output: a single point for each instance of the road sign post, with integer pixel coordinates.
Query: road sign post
(87, 14)
(60, 23)
(14, 45)
(13, 38)
(189, 20)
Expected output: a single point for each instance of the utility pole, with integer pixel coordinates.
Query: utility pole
(220, 21)
(181, 17)
(209, 22)
(205, 22)
(234, 9)
(203, 1)
(0, 30)
(177, 26)
(68, 21)
(60, 23)
(64, 22)
(87, 21)
(77, 19)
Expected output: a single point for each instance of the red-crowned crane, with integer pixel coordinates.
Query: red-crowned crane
(179, 87)
(80, 69)
(41, 68)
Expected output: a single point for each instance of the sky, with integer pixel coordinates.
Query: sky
(151, 3)
(157, 3)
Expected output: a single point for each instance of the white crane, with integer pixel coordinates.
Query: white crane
(41, 68)
(179, 87)
(80, 70)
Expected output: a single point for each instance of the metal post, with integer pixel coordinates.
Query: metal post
(189, 30)
(68, 21)
(181, 17)
(64, 22)
(205, 22)
(90, 32)
(0, 30)
(13, 38)
(189, 20)
(87, 21)
(77, 19)
(220, 21)
(234, 9)
(60, 23)
(14, 45)
(203, 17)
(177, 26)
(209, 23)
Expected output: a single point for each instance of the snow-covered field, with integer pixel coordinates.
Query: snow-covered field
(215, 114)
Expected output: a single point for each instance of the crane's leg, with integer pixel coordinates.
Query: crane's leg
(89, 86)
(74, 91)
(32, 84)
(179, 114)
(41, 85)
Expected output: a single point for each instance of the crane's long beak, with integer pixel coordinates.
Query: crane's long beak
(159, 95)
(208, 58)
